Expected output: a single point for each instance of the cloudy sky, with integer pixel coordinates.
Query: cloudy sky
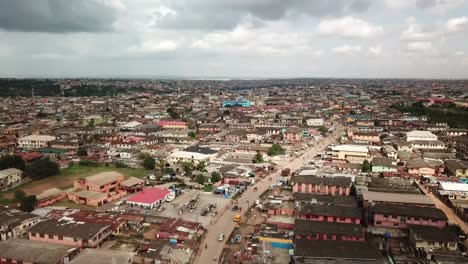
(235, 38)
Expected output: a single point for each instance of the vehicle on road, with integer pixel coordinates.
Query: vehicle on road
(214, 213)
(160, 209)
(204, 212)
(234, 207)
(255, 189)
(221, 237)
(237, 218)
(286, 172)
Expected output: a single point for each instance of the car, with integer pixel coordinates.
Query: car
(160, 209)
(214, 213)
(234, 208)
(152, 177)
(221, 237)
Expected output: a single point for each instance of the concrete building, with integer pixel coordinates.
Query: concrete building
(90, 256)
(402, 216)
(457, 168)
(192, 154)
(319, 185)
(420, 135)
(10, 178)
(351, 153)
(26, 251)
(35, 141)
(315, 122)
(149, 198)
(69, 233)
(15, 223)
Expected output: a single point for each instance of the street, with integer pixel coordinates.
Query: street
(226, 224)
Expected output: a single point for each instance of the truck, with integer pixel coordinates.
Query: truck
(286, 172)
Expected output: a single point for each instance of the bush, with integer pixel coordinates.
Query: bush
(88, 163)
(200, 179)
(119, 164)
(215, 176)
(275, 150)
(42, 168)
(19, 195)
(28, 203)
(148, 163)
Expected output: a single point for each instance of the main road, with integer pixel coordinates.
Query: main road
(226, 225)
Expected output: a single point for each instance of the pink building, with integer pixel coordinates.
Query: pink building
(401, 216)
(69, 233)
(306, 229)
(329, 213)
(98, 189)
(49, 197)
(172, 124)
(319, 185)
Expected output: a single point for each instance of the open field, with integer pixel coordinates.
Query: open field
(66, 177)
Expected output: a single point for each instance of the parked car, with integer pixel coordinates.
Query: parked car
(221, 237)
(204, 212)
(234, 208)
(160, 209)
(214, 213)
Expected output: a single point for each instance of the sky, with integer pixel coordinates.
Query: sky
(234, 38)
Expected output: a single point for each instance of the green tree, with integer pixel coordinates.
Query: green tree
(172, 113)
(143, 156)
(201, 179)
(28, 203)
(323, 130)
(42, 168)
(91, 122)
(201, 166)
(12, 161)
(82, 152)
(192, 134)
(258, 158)
(148, 163)
(275, 150)
(188, 167)
(215, 176)
(19, 195)
(365, 166)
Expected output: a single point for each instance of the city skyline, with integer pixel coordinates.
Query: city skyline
(234, 39)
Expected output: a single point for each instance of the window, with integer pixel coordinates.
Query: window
(33, 234)
(41, 235)
(403, 219)
(394, 217)
(60, 237)
(378, 223)
(385, 216)
(416, 218)
(395, 224)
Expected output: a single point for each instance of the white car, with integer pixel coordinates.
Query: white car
(152, 177)
(221, 237)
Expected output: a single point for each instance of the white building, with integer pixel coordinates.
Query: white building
(134, 125)
(427, 144)
(352, 153)
(35, 141)
(315, 122)
(192, 154)
(420, 135)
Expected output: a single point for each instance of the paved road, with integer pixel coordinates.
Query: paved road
(226, 224)
(452, 217)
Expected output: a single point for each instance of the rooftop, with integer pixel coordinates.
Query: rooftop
(68, 228)
(33, 252)
(98, 256)
(330, 210)
(397, 198)
(334, 249)
(103, 178)
(149, 195)
(306, 227)
(409, 210)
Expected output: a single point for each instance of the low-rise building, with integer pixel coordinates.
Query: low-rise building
(401, 216)
(15, 223)
(380, 164)
(433, 238)
(89, 256)
(305, 229)
(149, 198)
(320, 185)
(351, 153)
(420, 135)
(35, 141)
(458, 168)
(329, 213)
(26, 251)
(427, 144)
(49, 197)
(70, 233)
(10, 178)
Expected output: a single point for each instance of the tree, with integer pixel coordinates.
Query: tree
(275, 150)
(143, 156)
(188, 167)
(215, 176)
(258, 158)
(148, 163)
(19, 195)
(82, 152)
(172, 113)
(323, 130)
(365, 166)
(192, 134)
(42, 168)
(91, 122)
(28, 203)
(201, 179)
(201, 166)
(12, 161)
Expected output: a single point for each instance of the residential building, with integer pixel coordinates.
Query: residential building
(420, 135)
(10, 178)
(325, 251)
(366, 137)
(370, 198)
(35, 141)
(427, 144)
(329, 213)
(380, 164)
(237, 103)
(351, 153)
(70, 233)
(457, 168)
(18, 250)
(15, 223)
(315, 122)
(433, 238)
(313, 198)
(172, 124)
(423, 167)
(49, 197)
(192, 154)
(320, 185)
(402, 216)
(305, 229)
(390, 152)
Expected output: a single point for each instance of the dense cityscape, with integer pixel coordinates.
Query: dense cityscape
(235, 171)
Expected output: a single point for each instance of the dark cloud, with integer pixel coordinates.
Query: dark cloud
(56, 16)
(226, 14)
